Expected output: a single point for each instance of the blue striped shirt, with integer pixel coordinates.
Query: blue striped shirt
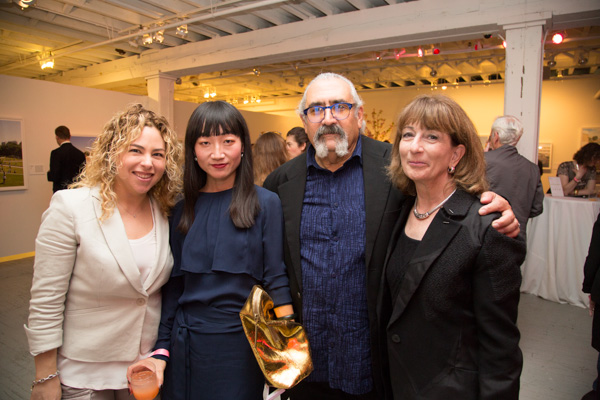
(332, 233)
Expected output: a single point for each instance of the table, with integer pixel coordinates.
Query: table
(557, 245)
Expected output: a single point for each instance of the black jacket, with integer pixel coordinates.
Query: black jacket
(382, 207)
(65, 163)
(451, 333)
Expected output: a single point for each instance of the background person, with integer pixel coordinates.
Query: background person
(296, 141)
(511, 174)
(450, 287)
(65, 162)
(578, 177)
(226, 237)
(339, 210)
(101, 256)
(268, 153)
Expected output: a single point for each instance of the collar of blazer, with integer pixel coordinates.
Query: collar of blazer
(439, 234)
(116, 238)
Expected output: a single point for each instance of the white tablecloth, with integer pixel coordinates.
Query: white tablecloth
(557, 245)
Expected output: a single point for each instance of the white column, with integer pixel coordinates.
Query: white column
(523, 80)
(161, 91)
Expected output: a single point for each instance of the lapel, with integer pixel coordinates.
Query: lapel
(376, 191)
(442, 230)
(162, 247)
(291, 193)
(116, 239)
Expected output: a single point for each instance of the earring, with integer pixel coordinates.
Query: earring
(451, 170)
(242, 154)
(195, 158)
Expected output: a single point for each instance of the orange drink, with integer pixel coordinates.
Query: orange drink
(144, 385)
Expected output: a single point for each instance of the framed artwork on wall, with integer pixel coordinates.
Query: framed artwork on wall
(545, 155)
(12, 155)
(590, 135)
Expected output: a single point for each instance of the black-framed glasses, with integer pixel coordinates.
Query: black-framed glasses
(339, 111)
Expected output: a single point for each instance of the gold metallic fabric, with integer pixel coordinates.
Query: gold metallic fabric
(280, 347)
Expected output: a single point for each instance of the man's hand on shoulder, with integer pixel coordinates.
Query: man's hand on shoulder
(507, 224)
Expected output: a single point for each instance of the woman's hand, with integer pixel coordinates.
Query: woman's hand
(507, 224)
(148, 364)
(49, 390)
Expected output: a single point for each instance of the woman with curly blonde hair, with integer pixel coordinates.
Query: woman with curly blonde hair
(102, 255)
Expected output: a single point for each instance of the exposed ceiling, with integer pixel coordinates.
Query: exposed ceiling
(84, 34)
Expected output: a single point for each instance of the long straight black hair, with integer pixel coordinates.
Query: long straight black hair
(213, 119)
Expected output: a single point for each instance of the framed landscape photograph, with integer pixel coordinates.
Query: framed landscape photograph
(12, 173)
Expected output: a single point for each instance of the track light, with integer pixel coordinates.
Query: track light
(582, 60)
(420, 52)
(25, 3)
(159, 36)
(256, 71)
(558, 38)
(46, 61)
(146, 39)
(182, 31)
(552, 63)
(433, 72)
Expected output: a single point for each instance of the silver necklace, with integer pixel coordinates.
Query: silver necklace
(428, 213)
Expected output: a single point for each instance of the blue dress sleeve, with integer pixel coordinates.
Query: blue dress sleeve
(275, 280)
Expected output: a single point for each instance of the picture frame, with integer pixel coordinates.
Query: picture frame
(545, 155)
(590, 135)
(12, 155)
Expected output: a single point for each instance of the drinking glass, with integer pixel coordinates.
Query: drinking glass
(144, 385)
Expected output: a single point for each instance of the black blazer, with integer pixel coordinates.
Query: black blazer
(452, 333)
(382, 207)
(65, 163)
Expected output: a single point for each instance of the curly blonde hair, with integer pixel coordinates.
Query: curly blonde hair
(105, 158)
(441, 113)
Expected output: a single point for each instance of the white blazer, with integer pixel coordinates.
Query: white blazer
(87, 298)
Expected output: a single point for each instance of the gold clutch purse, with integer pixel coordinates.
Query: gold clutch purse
(280, 346)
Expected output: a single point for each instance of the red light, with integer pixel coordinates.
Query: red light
(557, 38)
(436, 50)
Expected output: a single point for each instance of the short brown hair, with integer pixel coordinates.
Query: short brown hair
(440, 113)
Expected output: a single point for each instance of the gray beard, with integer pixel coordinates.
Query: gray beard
(341, 142)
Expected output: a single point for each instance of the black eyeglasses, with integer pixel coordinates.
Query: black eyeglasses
(339, 111)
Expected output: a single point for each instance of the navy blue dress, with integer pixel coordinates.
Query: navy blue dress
(216, 266)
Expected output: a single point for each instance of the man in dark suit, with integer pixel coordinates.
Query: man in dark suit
(65, 162)
(339, 210)
(511, 174)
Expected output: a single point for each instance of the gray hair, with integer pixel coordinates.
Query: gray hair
(330, 75)
(509, 129)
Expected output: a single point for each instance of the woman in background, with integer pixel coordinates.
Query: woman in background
(101, 256)
(296, 141)
(269, 152)
(578, 177)
(226, 237)
(450, 287)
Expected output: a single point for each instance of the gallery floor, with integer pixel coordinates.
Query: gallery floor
(559, 361)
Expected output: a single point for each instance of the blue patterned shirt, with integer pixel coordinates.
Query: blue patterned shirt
(332, 233)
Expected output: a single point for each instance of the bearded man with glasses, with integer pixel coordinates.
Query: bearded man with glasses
(339, 209)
